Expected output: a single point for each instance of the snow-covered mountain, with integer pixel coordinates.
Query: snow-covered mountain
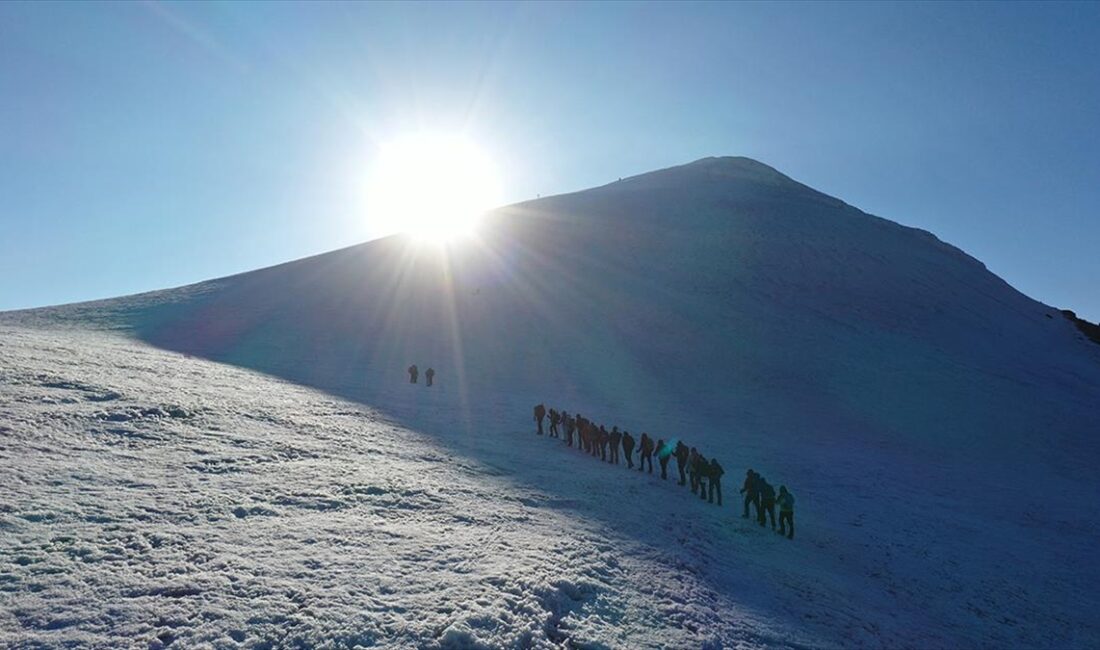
(937, 426)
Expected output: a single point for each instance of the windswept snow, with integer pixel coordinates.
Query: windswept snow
(242, 462)
(152, 498)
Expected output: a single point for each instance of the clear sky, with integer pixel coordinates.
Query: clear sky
(148, 145)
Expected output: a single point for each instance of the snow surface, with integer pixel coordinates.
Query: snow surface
(241, 462)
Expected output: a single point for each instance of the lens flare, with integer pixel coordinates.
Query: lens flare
(433, 187)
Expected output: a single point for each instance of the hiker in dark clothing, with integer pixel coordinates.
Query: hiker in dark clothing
(614, 441)
(540, 413)
(586, 437)
(430, 375)
(555, 418)
(628, 449)
(682, 460)
(767, 502)
(786, 511)
(646, 453)
(693, 470)
(414, 372)
(715, 478)
(663, 454)
(570, 427)
(702, 467)
(752, 494)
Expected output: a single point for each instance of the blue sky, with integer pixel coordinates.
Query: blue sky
(147, 145)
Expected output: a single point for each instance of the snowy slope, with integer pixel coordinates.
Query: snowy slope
(937, 427)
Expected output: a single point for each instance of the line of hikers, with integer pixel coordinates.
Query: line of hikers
(414, 373)
(704, 476)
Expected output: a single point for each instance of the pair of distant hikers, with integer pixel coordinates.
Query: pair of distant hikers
(414, 373)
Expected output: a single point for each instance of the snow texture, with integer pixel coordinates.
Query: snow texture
(243, 463)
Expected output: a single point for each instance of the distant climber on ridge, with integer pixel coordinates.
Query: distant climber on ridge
(613, 440)
(702, 468)
(786, 512)
(555, 418)
(646, 453)
(682, 460)
(628, 449)
(767, 501)
(540, 413)
(693, 470)
(429, 375)
(664, 452)
(414, 372)
(752, 494)
(714, 477)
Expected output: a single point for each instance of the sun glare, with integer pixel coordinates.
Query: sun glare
(433, 187)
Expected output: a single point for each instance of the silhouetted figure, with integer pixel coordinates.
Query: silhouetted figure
(540, 413)
(613, 443)
(752, 494)
(786, 511)
(682, 453)
(767, 502)
(555, 418)
(628, 449)
(663, 454)
(414, 372)
(429, 375)
(604, 439)
(693, 470)
(582, 433)
(702, 467)
(645, 451)
(570, 427)
(714, 477)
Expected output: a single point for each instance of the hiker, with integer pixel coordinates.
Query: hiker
(540, 413)
(628, 449)
(645, 452)
(681, 460)
(752, 494)
(715, 479)
(604, 438)
(570, 427)
(767, 502)
(693, 470)
(430, 375)
(663, 454)
(702, 467)
(414, 372)
(786, 511)
(614, 441)
(555, 418)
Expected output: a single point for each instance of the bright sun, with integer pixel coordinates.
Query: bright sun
(434, 187)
